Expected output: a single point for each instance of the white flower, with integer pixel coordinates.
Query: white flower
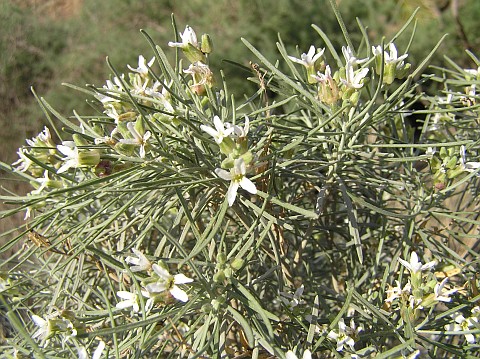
(23, 163)
(188, 37)
(396, 292)
(346, 335)
(324, 78)
(43, 137)
(292, 300)
(350, 57)
(43, 183)
(430, 151)
(161, 96)
(82, 351)
(237, 178)
(138, 139)
(130, 300)
(352, 79)
(70, 150)
(219, 132)
(467, 166)
(141, 263)
(415, 266)
(44, 328)
(241, 131)
(111, 112)
(309, 58)
(139, 85)
(142, 68)
(106, 139)
(307, 354)
(200, 72)
(462, 324)
(391, 57)
(440, 294)
(111, 88)
(168, 282)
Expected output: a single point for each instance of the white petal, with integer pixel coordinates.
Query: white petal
(227, 176)
(39, 321)
(470, 338)
(290, 355)
(232, 192)
(125, 295)
(156, 287)
(311, 52)
(248, 185)
(239, 166)
(98, 352)
(307, 354)
(179, 294)
(175, 44)
(405, 263)
(82, 353)
(161, 272)
(218, 124)
(212, 132)
(294, 59)
(332, 335)
(124, 304)
(181, 279)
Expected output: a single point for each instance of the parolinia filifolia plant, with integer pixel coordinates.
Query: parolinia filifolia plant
(299, 222)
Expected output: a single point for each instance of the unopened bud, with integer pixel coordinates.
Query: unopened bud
(207, 44)
(88, 158)
(221, 258)
(237, 263)
(219, 277)
(79, 140)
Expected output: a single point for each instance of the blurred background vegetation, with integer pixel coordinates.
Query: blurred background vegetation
(48, 42)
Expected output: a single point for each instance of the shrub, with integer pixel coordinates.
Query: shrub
(182, 221)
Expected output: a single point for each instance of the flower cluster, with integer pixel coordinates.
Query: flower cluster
(449, 163)
(346, 83)
(196, 52)
(159, 287)
(462, 324)
(63, 323)
(232, 140)
(421, 291)
(346, 335)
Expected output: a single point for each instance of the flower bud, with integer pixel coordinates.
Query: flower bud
(227, 146)
(219, 277)
(124, 149)
(127, 116)
(221, 258)
(389, 73)
(228, 272)
(79, 140)
(88, 158)
(237, 263)
(207, 44)
(328, 92)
